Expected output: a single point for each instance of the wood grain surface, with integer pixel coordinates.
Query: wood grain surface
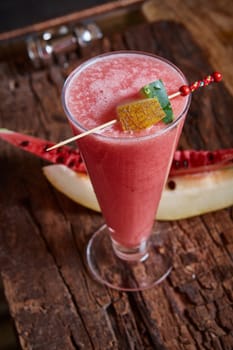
(210, 23)
(53, 300)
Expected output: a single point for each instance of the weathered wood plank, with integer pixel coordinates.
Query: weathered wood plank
(210, 23)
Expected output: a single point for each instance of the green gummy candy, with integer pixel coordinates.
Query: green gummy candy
(157, 89)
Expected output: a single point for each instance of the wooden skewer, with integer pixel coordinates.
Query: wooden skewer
(184, 90)
(85, 133)
(96, 129)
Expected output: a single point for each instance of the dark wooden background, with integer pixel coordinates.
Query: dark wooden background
(21, 13)
(54, 302)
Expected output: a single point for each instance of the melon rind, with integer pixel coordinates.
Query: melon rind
(194, 194)
(197, 194)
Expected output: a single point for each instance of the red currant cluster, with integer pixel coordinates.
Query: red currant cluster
(187, 89)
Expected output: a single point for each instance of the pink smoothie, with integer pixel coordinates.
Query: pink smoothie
(128, 170)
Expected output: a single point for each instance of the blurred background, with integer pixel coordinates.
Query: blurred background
(20, 13)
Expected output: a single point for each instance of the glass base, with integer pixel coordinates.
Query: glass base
(129, 275)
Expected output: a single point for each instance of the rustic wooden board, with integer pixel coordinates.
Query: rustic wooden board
(75, 16)
(54, 302)
(210, 24)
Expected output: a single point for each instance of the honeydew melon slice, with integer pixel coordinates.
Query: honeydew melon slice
(141, 114)
(183, 197)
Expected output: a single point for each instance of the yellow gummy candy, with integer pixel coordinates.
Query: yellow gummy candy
(141, 114)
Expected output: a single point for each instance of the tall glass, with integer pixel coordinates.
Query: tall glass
(128, 170)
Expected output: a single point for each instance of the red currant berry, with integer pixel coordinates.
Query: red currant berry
(217, 76)
(184, 90)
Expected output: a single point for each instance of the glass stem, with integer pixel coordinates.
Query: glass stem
(136, 253)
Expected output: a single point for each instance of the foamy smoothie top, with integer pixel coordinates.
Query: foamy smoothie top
(93, 91)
